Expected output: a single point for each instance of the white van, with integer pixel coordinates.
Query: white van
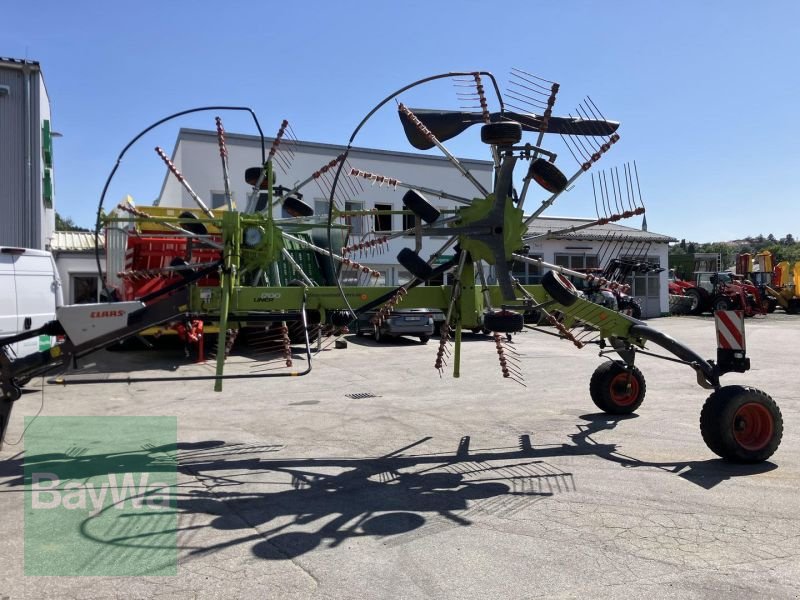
(30, 291)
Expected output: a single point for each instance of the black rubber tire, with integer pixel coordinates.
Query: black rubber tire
(196, 228)
(252, 174)
(722, 303)
(13, 393)
(424, 339)
(636, 310)
(503, 321)
(414, 264)
(741, 424)
(549, 176)
(339, 318)
(21, 382)
(297, 208)
(697, 300)
(506, 133)
(793, 306)
(419, 205)
(609, 388)
(559, 288)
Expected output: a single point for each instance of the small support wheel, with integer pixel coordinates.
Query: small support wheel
(12, 393)
(549, 176)
(741, 424)
(414, 264)
(617, 389)
(376, 333)
(560, 288)
(503, 321)
(506, 133)
(297, 208)
(419, 205)
(424, 339)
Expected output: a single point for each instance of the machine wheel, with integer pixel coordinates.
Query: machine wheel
(377, 334)
(424, 339)
(414, 264)
(416, 203)
(793, 306)
(722, 303)
(549, 176)
(697, 300)
(741, 424)
(559, 288)
(501, 134)
(12, 393)
(503, 321)
(296, 207)
(196, 228)
(617, 389)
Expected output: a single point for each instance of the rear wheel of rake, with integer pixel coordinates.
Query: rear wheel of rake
(617, 389)
(501, 134)
(560, 288)
(741, 424)
(549, 176)
(503, 321)
(414, 264)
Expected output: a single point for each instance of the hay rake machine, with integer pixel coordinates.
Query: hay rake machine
(233, 267)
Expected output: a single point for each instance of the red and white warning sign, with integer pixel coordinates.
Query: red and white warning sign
(730, 329)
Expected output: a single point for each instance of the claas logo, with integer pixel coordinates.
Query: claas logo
(102, 314)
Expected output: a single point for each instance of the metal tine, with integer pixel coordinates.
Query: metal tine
(569, 147)
(357, 184)
(352, 183)
(594, 128)
(594, 111)
(594, 193)
(629, 187)
(638, 187)
(578, 140)
(604, 247)
(529, 78)
(617, 190)
(606, 195)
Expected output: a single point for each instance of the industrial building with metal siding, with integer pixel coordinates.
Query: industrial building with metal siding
(27, 214)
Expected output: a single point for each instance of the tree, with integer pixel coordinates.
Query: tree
(67, 224)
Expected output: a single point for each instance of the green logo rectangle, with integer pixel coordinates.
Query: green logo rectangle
(100, 496)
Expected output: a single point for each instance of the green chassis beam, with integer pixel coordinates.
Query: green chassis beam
(244, 300)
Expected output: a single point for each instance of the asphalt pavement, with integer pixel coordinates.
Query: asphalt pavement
(376, 477)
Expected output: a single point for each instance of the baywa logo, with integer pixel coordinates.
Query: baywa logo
(100, 496)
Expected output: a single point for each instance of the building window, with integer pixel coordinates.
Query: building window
(356, 223)
(84, 289)
(526, 273)
(383, 222)
(218, 199)
(577, 262)
(409, 222)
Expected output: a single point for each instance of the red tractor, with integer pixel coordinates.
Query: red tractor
(712, 291)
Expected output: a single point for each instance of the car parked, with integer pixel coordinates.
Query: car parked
(414, 322)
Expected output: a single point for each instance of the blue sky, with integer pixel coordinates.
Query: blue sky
(706, 92)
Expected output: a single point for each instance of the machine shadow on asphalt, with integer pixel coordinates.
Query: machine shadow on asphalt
(397, 497)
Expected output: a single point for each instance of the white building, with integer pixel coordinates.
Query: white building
(196, 155)
(593, 247)
(74, 253)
